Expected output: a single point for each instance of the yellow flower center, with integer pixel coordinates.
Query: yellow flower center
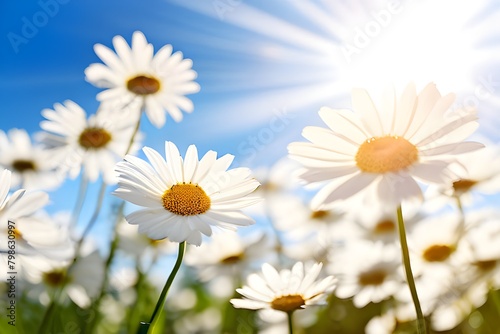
(373, 277)
(319, 214)
(155, 243)
(143, 85)
(437, 253)
(22, 165)
(92, 138)
(288, 303)
(462, 186)
(386, 154)
(186, 200)
(17, 234)
(232, 259)
(385, 226)
(486, 265)
(54, 278)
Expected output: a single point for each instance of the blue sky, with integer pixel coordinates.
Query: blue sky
(265, 67)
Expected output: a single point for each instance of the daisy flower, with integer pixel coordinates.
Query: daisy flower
(379, 222)
(38, 235)
(437, 253)
(454, 309)
(368, 272)
(387, 148)
(139, 247)
(285, 291)
(134, 76)
(228, 254)
(482, 239)
(19, 204)
(291, 215)
(183, 198)
(481, 175)
(382, 324)
(82, 281)
(96, 143)
(32, 166)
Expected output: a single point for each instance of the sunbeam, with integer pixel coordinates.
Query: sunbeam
(340, 45)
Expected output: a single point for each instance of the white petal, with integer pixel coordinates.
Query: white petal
(461, 128)
(204, 166)
(345, 121)
(326, 139)
(190, 163)
(455, 148)
(234, 218)
(155, 112)
(425, 103)
(248, 304)
(272, 277)
(174, 161)
(363, 105)
(345, 190)
(160, 166)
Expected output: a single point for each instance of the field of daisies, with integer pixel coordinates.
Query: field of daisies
(380, 220)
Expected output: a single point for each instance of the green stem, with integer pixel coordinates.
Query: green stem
(163, 296)
(115, 238)
(49, 313)
(290, 322)
(107, 265)
(421, 328)
(92, 220)
(134, 134)
(82, 191)
(496, 299)
(461, 229)
(131, 325)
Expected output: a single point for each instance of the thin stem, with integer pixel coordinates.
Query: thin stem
(421, 328)
(163, 296)
(107, 265)
(93, 219)
(137, 287)
(279, 243)
(461, 229)
(49, 313)
(82, 191)
(496, 299)
(134, 134)
(47, 319)
(290, 322)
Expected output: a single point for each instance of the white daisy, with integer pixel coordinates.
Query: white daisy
(20, 203)
(437, 253)
(481, 175)
(134, 76)
(368, 272)
(38, 235)
(389, 147)
(378, 221)
(306, 233)
(458, 305)
(82, 281)
(228, 254)
(143, 249)
(287, 290)
(32, 166)
(382, 324)
(183, 198)
(482, 239)
(291, 215)
(96, 143)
